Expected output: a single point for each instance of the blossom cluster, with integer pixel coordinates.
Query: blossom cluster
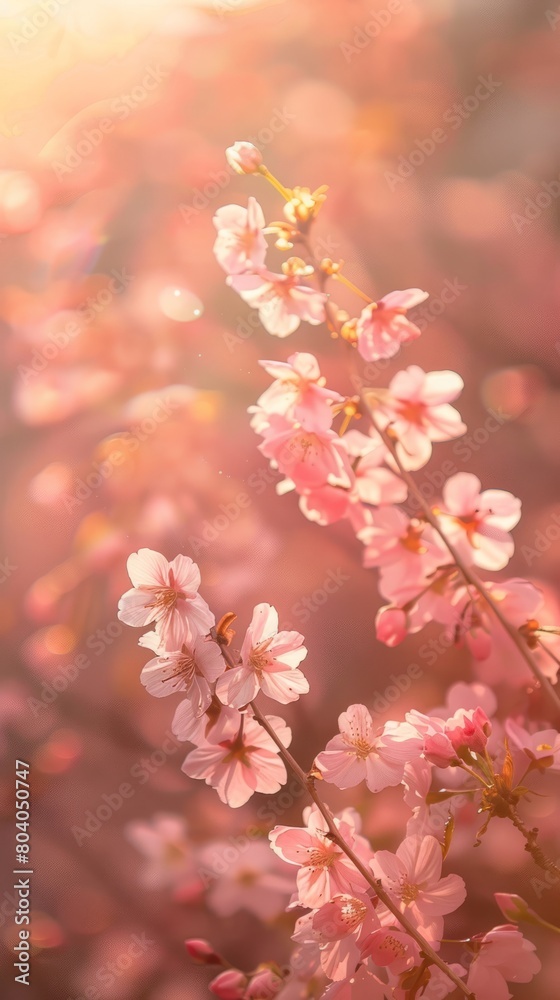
(340, 473)
(371, 921)
(232, 753)
(353, 895)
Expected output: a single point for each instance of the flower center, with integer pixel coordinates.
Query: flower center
(412, 412)
(259, 657)
(165, 599)
(321, 858)
(409, 893)
(185, 668)
(544, 746)
(353, 912)
(361, 747)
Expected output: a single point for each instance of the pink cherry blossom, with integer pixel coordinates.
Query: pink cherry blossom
(340, 926)
(407, 550)
(311, 459)
(390, 625)
(503, 956)
(383, 325)
(216, 718)
(324, 869)
(163, 841)
(240, 758)
(361, 753)
(244, 157)
(269, 663)
(165, 593)
(413, 878)
(391, 948)
(190, 670)
(240, 244)
(282, 300)
(478, 523)
(417, 407)
(299, 391)
(543, 745)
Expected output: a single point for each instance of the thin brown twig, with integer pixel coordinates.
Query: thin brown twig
(467, 573)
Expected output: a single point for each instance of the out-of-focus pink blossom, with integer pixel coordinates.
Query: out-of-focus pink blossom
(543, 745)
(163, 841)
(240, 244)
(165, 593)
(282, 300)
(503, 956)
(383, 325)
(417, 408)
(478, 523)
(229, 985)
(256, 880)
(390, 625)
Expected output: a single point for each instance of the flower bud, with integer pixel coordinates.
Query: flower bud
(229, 985)
(202, 952)
(390, 625)
(264, 985)
(244, 157)
(513, 907)
(472, 731)
(439, 750)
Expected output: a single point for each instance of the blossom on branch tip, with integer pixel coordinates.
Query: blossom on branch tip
(269, 663)
(165, 593)
(244, 157)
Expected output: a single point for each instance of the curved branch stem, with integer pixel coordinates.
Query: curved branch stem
(308, 784)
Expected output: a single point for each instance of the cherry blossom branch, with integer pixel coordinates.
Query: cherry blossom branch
(532, 847)
(307, 782)
(467, 573)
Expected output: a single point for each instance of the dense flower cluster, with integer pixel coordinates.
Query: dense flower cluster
(373, 920)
